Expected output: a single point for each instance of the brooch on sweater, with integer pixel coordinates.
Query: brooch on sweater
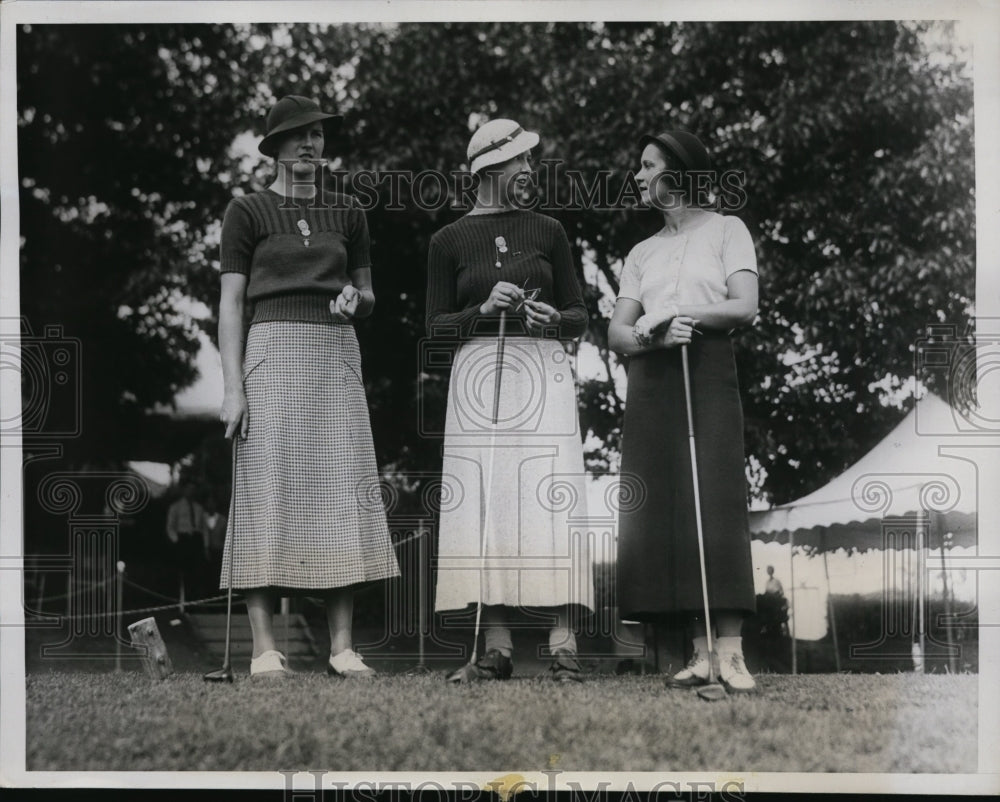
(501, 244)
(304, 230)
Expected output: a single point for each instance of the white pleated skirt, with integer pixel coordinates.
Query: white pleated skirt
(515, 489)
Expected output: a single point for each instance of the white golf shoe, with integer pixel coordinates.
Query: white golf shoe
(733, 674)
(349, 665)
(269, 665)
(694, 673)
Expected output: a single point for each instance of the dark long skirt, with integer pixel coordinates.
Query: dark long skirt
(658, 573)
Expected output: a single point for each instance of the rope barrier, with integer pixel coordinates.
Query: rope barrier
(414, 536)
(150, 591)
(174, 602)
(76, 592)
(160, 608)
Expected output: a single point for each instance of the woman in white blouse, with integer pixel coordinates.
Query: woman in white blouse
(690, 284)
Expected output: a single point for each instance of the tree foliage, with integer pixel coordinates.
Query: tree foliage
(855, 140)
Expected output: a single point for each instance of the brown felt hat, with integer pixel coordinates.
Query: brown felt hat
(294, 111)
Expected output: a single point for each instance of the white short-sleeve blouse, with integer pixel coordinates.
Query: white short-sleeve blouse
(688, 268)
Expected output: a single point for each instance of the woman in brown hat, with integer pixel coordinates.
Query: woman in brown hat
(307, 516)
(506, 542)
(690, 284)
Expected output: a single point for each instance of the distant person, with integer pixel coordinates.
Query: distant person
(774, 615)
(773, 587)
(216, 521)
(688, 285)
(187, 530)
(307, 513)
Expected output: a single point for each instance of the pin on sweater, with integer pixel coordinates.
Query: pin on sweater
(501, 244)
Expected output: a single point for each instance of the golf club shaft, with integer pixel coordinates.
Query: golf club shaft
(489, 478)
(229, 581)
(501, 336)
(697, 510)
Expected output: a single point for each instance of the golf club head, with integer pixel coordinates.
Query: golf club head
(712, 692)
(467, 673)
(224, 674)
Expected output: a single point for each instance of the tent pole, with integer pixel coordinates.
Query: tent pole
(791, 574)
(921, 586)
(952, 662)
(833, 619)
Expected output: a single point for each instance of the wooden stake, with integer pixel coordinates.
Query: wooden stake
(146, 637)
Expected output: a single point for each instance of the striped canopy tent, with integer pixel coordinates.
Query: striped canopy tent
(907, 492)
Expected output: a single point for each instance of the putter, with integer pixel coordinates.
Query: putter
(713, 690)
(468, 671)
(225, 674)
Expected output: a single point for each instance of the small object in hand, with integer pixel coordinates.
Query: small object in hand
(529, 295)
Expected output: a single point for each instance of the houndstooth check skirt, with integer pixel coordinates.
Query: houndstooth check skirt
(307, 509)
(519, 485)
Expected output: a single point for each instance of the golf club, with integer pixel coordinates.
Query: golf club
(713, 690)
(225, 674)
(468, 671)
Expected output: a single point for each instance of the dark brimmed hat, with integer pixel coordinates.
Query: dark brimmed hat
(687, 148)
(294, 111)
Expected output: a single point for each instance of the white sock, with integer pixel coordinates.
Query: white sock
(732, 644)
(701, 646)
(562, 638)
(498, 637)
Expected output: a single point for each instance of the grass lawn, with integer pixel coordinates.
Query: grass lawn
(805, 723)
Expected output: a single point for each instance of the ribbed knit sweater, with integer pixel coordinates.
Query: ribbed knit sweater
(297, 252)
(462, 271)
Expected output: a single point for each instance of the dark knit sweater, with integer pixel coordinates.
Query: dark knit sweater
(297, 253)
(461, 273)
